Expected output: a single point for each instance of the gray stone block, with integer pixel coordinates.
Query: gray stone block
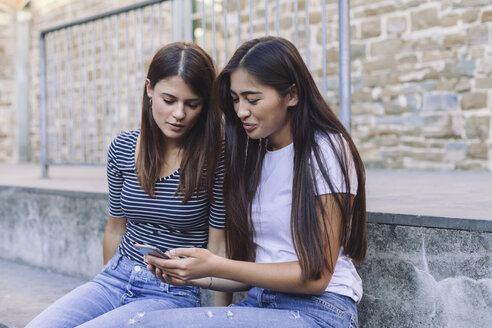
(478, 35)
(438, 125)
(457, 69)
(447, 102)
(478, 127)
(58, 230)
(424, 19)
(414, 102)
(474, 100)
(487, 16)
(426, 277)
(396, 25)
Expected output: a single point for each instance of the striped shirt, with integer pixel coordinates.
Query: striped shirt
(162, 221)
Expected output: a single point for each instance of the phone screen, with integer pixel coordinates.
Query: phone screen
(150, 250)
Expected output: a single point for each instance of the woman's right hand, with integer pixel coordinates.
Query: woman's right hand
(185, 263)
(165, 278)
(159, 274)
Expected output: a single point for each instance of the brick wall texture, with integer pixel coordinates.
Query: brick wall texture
(421, 71)
(7, 106)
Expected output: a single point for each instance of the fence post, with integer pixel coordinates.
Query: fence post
(22, 92)
(188, 21)
(42, 107)
(344, 61)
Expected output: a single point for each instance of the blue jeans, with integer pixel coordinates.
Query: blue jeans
(123, 291)
(262, 308)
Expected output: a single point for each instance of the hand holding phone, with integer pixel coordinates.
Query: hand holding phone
(150, 250)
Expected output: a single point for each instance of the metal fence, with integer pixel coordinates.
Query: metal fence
(92, 71)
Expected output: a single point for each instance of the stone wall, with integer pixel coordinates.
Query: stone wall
(422, 82)
(426, 277)
(421, 76)
(7, 82)
(55, 230)
(421, 73)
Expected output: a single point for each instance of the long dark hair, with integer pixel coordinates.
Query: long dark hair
(202, 143)
(275, 62)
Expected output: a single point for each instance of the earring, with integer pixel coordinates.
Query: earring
(150, 101)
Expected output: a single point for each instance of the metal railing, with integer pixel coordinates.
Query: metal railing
(92, 70)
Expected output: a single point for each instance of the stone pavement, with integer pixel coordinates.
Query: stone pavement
(458, 194)
(26, 291)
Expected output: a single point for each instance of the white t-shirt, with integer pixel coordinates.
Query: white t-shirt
(271, 210)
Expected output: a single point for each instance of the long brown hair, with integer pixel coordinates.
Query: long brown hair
(275, 62)
(202, 143)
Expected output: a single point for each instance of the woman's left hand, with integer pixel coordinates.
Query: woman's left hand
(197, 263)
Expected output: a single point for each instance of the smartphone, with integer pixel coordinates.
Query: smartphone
(150, 250)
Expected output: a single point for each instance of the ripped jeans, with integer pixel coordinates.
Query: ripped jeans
(261, 309)
(123, 292)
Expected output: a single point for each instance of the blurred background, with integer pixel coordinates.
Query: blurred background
(418, 104)
(421, 71)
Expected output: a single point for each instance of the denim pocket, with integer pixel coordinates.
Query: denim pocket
(338, 310)
(329, 306)
(112, 263)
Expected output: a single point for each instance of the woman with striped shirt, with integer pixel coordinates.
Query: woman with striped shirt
(165, 190)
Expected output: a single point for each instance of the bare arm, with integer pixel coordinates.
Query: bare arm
(285, 277)
(216, 244)
(115, 229)
(213, 283)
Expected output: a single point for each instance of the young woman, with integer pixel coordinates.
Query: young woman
(165, 189)
(295, 203)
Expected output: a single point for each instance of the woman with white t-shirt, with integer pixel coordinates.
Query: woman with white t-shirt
(295, 203)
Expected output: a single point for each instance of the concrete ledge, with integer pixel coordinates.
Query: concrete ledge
(57, 192)
(438, 222)
(458, 194)
(51, 229)
(426, 277)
